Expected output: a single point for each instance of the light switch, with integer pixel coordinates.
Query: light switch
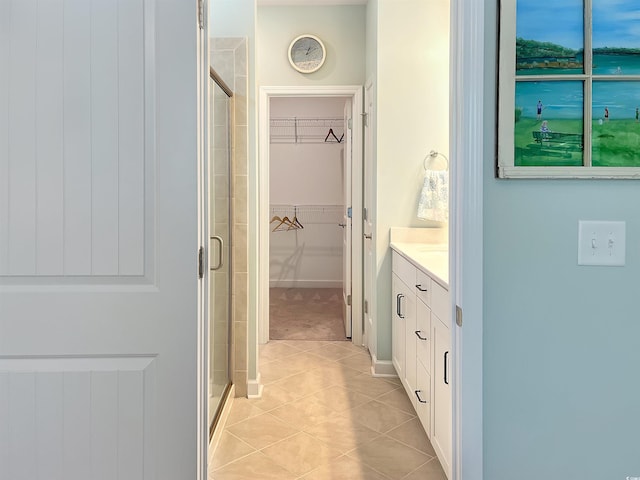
(601, 243)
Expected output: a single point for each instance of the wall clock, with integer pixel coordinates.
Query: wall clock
(307, 53)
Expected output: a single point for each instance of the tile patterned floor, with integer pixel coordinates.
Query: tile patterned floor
(323, 416)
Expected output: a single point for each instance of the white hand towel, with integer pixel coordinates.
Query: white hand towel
(434, 198)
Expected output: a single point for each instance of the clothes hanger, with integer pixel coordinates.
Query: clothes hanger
(283, 221)
(332, 134)
(295, 222)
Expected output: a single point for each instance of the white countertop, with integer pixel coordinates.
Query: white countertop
(433, 259)
(426, 248)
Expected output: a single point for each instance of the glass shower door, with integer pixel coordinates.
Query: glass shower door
(219, 246)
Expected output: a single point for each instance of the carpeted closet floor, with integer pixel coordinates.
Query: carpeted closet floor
(306, 314)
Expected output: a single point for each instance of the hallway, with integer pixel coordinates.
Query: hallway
(322, 416)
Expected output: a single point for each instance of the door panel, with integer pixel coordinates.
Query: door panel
(99, 239)
(346, 220)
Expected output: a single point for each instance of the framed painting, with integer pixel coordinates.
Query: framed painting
(569, 89)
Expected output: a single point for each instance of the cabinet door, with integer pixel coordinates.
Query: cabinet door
(441, 407)
(397, 325)
(422, 395)
(409, 310)
(423, 335)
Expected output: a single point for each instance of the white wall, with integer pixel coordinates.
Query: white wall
(307, 175)
(410, 68)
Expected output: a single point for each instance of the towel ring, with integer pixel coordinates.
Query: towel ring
(433, 154)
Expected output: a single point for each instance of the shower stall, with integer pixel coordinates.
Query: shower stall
(220, 274)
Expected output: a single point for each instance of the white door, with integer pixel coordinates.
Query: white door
(99, 360)
(346, 219)
(367, 228)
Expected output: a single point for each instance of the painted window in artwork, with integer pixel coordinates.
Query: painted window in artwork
(549, 39)
(569, 89)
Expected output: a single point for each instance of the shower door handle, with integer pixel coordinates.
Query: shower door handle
(220, 250)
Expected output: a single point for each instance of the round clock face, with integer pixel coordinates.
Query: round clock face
(306, 53)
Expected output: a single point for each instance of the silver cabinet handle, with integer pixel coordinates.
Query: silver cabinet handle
(399, 298)
(220, 251)
(367, 236)
(419, 287)
(418, 332)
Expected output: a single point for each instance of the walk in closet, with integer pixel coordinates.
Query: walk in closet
(306, 212)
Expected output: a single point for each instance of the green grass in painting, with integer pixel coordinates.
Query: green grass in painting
(614, 144)
(528, 153)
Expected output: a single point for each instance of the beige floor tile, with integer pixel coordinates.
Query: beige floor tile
(370, 386)
(303, 413)
(340, 407)
(305, 361)
(332, 351)
(339, 398)
(275, 370)
(305, 383)
(342, 433)
(429, 471)
(301, 453)
(344, 468)
(273, 397)
(357, 361)
(393, 380)
(277, 349)
(391, 458)
(399, 399)
(242, 409)
(378, 416)
(307, 344)
(262, 430)
(230, 449)
(337, 374)
(411, 433)
(256, 465)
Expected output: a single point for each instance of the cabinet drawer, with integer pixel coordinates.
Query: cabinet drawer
(423, 287)
(423, 335)
(405, 270)
(440, 302)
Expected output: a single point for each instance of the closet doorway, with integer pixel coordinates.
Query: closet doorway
(311, 227)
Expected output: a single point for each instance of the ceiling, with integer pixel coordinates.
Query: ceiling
(311, 2)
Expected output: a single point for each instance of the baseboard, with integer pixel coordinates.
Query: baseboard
(382, 368)
(305, 283)
(217, 432)
(254, 388)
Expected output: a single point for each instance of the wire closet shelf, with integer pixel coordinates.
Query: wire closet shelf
(306, 130)
(309, 214)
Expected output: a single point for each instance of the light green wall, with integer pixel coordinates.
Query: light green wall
(341, 28)
(411, 70)
(561, 357)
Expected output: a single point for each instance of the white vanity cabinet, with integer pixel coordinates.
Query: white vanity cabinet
(421, 349)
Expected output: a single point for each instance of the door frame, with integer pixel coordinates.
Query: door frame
(354, 92)
(467, 154)
(203, 199)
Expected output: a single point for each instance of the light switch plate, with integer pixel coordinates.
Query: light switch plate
(601, 243)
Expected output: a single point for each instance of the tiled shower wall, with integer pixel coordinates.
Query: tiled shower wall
(229, 60)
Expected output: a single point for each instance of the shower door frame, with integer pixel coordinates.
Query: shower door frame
(213, 75)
